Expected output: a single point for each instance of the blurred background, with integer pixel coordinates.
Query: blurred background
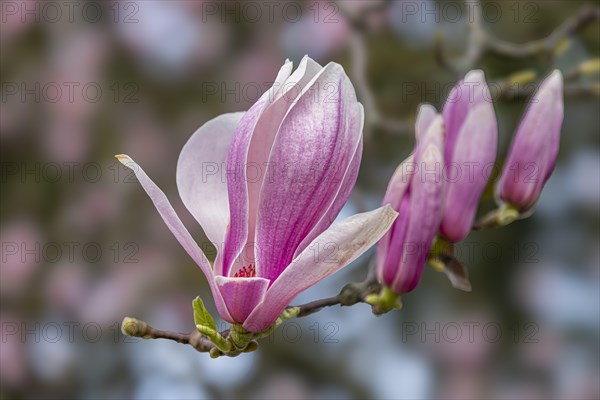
(83, 246)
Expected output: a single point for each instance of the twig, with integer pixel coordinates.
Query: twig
(351, 294)
(480, 42)
(584, 16)
(476, 43)
(358, 61)
(318, 305)
(137, 328)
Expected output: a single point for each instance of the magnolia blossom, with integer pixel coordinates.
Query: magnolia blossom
(416, 191)
(290, 164)
(534, 149)
(470, 152)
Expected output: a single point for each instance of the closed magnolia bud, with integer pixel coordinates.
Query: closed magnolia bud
(534, 148)
(470, 152)
(415, 192)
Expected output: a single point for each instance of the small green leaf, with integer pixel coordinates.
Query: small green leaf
(218, 340)
(202, 316)
(290, 312)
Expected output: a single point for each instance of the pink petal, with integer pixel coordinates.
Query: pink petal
(310, 156)
(335, 248)
(237, 179)
(425, 117)
(249, 154)
(176, 227)
(426, 194)
(393, 196)
(534, 149)
(400, 181)
(393, 245)
(474, 153)
(466, 95)
(201, 178)
(241, 295)
(341, 198)
(264, 136)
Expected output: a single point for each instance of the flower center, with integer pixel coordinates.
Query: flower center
(246, 272)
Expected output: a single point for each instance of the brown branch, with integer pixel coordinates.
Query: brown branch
(318, 305)
(476, 43)
(480, 42)
(584, 16)
(358, 62)
(136, 328)
(351, 294)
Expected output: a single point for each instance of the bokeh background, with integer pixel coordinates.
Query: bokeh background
(82, 245)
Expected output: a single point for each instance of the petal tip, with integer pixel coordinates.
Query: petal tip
(389, 213)
(123, 159)
(555, 79)
(476, 75)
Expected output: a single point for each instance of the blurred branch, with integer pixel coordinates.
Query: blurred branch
(584, 16)
(358, 60)
(480, 42)
(476, 43)
(373, 116)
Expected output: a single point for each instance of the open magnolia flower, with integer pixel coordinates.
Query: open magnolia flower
(266, 185)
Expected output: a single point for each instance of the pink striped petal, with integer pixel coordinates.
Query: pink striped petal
(393, 241)
(534, 149)
(425, 117)
(341, 198)
(309, 158)
(176, 227)
(241, 295)
(474, 153)
(426, 196)
(335, 248)
(261, 143)
(467, 94)
(237, 168)
(393, 245)
(400, 181)
(201, 178)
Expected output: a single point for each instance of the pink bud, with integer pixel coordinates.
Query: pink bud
(534, 148)
(470, 151)
(416, 192)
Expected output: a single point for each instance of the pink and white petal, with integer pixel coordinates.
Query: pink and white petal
(535, 145)
(241, 295)
(551, 90)
(237, 180)
(332, 250)
(468, 93)
(399, 182)
(201, 178)
(394, 194)
(342, 196)
(391, 247)
(425, 116)
(475, 147)
(262, 140)
(426, 196)
(316, 141)
(297, 81)
(168, 214)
